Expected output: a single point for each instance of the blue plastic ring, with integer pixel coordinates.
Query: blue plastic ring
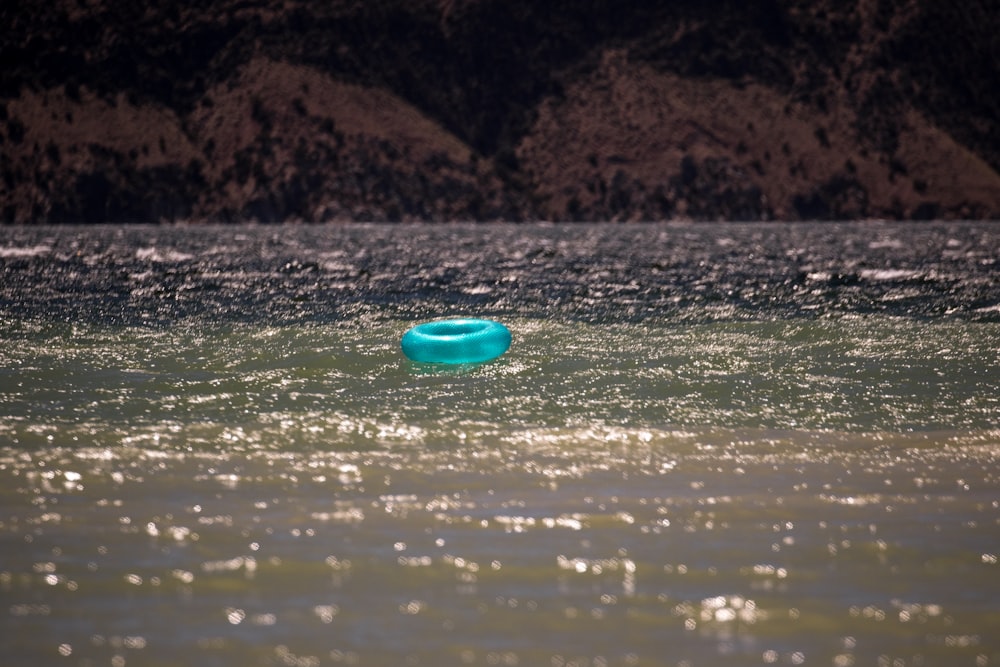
(456, 341)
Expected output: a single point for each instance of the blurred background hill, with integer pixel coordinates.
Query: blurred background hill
(238, 110)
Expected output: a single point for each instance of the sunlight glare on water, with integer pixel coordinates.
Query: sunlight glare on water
(672, 465)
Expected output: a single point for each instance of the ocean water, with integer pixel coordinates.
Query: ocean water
(708, 445)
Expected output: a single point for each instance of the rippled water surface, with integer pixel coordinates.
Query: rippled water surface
(708, 445)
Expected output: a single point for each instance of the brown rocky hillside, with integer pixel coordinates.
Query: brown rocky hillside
(235, 110)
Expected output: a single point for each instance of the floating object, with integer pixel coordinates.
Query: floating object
(456, 341)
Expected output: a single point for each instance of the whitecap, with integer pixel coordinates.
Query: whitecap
(889, 274)
(14, 252)
(154, 255)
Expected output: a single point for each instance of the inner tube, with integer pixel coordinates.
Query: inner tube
(456, 341)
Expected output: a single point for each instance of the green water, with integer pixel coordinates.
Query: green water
(850, 374)
(804, 492)
(706, 447)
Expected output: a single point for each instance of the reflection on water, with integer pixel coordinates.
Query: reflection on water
(592, 273)
(686, 459)
(616, 548)
(250, 386)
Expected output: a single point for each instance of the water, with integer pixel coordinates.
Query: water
(708, 445)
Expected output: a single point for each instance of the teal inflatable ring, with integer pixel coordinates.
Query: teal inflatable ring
(456, 341)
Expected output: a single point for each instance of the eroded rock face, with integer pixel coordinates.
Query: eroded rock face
(498, 109)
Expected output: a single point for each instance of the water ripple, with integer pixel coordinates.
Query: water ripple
(594, 273)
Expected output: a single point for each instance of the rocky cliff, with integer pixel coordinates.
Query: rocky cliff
(234, 110)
